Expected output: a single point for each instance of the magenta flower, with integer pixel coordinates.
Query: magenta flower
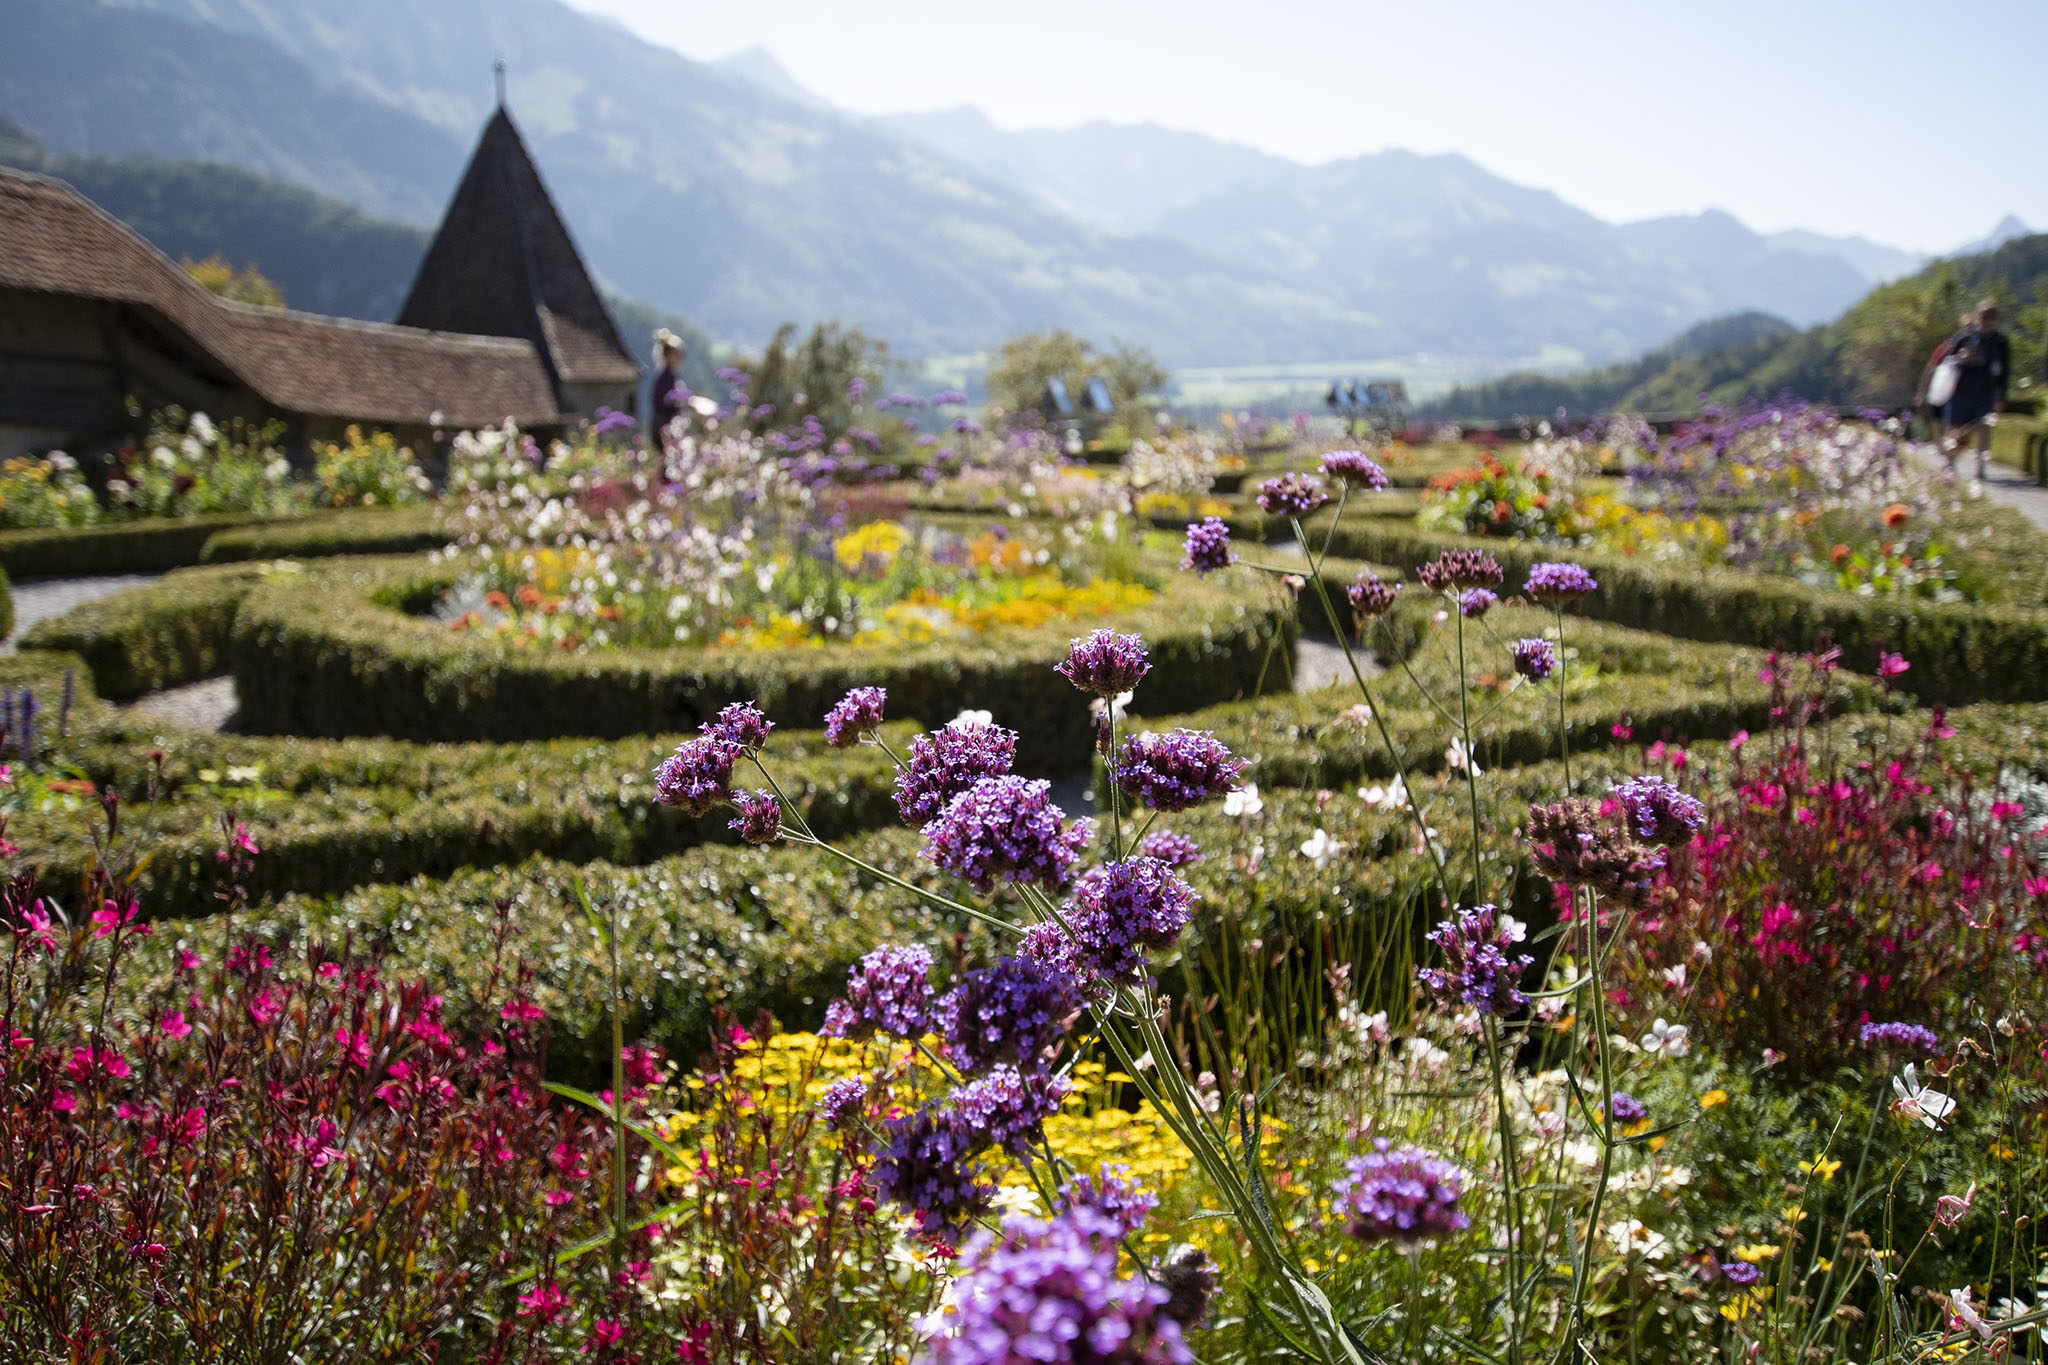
(760, 817)
(1890, 666)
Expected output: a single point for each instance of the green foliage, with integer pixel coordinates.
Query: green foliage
(247, 285)
(367, 471)
(330, 653)
(162, 635)
(153, 546)
(1029, 360)
(811, 379)
(45, 491)
(1960, 651)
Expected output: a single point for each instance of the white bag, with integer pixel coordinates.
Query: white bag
(1942, 386)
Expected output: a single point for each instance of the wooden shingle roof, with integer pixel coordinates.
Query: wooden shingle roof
(502, 263)
(54, 240)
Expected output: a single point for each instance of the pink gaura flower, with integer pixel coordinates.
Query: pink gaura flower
(265, 1006)
(545, 1302)
(111, 918)
(86, 1062)
(173, 1025)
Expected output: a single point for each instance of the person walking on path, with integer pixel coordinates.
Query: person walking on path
(666, 396)
(1983, 359)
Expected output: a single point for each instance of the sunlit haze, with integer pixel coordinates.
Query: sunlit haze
(1905, 123)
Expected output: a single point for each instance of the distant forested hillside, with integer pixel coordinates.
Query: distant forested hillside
(324, 256)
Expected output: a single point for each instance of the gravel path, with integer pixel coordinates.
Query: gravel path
(2005, 484)
(38, 599)
(204, 705)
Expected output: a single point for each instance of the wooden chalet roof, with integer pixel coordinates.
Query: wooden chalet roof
(54, 240)
(503, 264)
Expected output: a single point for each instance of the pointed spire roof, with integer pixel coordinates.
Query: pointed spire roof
(502, 264)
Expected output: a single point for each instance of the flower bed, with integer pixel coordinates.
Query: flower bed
(330, 652)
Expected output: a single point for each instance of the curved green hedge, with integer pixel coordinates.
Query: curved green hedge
(1960, 652)
(319, 654)
(159, 544)
(162, 634)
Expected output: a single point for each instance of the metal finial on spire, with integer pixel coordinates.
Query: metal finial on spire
(499, 67)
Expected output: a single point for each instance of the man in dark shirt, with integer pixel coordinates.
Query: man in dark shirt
(667, 393)
(1984, 356)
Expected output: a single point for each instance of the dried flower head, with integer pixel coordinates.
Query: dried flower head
(1291, 495)
(1461, 569)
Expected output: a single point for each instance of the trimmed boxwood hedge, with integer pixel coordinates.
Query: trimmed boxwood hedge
(163, 634)
(321, 654)
(6, 606)
(1961, 652)
(333, 814)
(159, 544)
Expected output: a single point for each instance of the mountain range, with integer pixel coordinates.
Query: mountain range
(728, 193)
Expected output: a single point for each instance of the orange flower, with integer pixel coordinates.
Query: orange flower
(529, 596)
(1896, 514)
(1837, 555)
(494, 598)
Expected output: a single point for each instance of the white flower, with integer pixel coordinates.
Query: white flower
(1512, 929)
(1674, 977)
(1359, 715)
(1393, 796)
(1458, 758)
(1631, 1235)
(1962, 1313)
(1244, 801)
(202, 426)
(968, 719)
(1320, 848)
(165, 457)
(1114, 707)
(1672, 1040)
(1916, 1101)
(1428, 1054)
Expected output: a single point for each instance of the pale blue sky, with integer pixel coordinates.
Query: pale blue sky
(1915, 124)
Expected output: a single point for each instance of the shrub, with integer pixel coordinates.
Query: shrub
(162, 635)
(44, 492)
(367, 471)
(194, 467)
(329, 654)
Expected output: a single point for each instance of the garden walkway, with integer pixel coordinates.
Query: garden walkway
(2015, 489)
(38, 599)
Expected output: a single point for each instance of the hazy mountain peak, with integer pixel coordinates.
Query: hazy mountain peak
(759, 65)
(2008, 228)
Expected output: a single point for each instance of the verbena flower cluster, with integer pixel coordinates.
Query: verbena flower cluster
(1007, 1108)
(1624, 1108)
(889, 991)
(1207, 547)
(1399, 1194)
(1461, 569)
(858, 712)
(1105, 664)
(1010, 1012)
(1006, 829)
(1291, 495)
(1121, 910)
(1175, 850)
(1176, 771)
(945, 762)
(1570, 842)
(843, 1102)
(760, 817)
(1371, 595)
(1356, 468)
(1534, 659)
(1476, 602)
(1659, 812)
(1113, 1193)
(1556, 583)
(1899, 1037)
(741, 724)
(1477, 968)
(697, 776)
(1048, 1291)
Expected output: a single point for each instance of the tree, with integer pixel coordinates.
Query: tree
(1028, 361)
(1887, 337)
(814, 379)
(246, 285)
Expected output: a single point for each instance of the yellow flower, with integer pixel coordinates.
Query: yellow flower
(1757, 1251)
(2002, 1152)
(1743, 1305)
(879, 541)
(1713, 1099)
(1821, 1167)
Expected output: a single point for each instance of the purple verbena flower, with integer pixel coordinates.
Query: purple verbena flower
(1534, 659)
(1477, 969)
(1740, 1272)
(1176, 771)
(1049, 1291)
(760, 817)
(1113, 1193)
(1371, 595)
(1175, 850)
(741, 725)
(697, 776)
(1901, 1037)
(1048, 945)
(1207, 547)
(1623, 1107)
(1356, 468)
(1105, 664)
(928, 1166)
(946, 762)
(1659, 812)
(1005, 829)
(889, 991)
(1291, 495)
(1569, 842)
(1119, 911)
(1399, 1194)
(1010, 1012)
(1461, 569)
(1555, 583)
(843, 1103)
(856, 713)
(1007, 1108)
(1476, 602)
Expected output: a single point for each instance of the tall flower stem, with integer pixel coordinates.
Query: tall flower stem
(1471, 759)
(1564, 740)
(1510, 1190)
(1583, 1273)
